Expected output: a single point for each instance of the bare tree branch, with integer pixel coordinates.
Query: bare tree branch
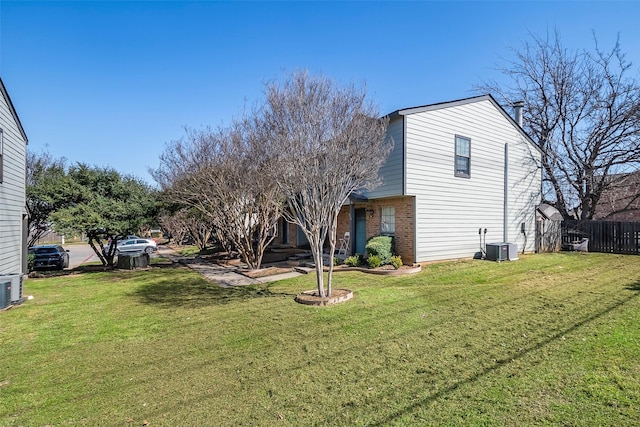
(324, 143)
(583, 111)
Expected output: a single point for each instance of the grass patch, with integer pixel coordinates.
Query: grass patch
(549, 339)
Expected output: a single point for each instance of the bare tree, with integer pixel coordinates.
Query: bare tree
(325, 142)
(217, 173)
(189, 222)
(173, 224)
(582, 108)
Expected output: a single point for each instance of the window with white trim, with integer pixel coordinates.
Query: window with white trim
(388, 220)
(463, 157)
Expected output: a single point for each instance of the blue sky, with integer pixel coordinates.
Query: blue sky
(110, 83)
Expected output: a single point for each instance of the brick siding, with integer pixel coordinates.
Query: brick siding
(405, 223)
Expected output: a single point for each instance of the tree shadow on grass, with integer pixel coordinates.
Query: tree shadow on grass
(634, 286)
(197, 292)
(498, 363)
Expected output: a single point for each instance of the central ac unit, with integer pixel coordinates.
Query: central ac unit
(502, 251)
(16, 286)
(5, 293)
(497, 252)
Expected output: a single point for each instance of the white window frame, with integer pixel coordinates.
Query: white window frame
(388, 220)
(466, 154)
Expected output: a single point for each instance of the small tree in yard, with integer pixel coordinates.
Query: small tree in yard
(109, 206)
(325, 142)
(217, 173)
(582, 109)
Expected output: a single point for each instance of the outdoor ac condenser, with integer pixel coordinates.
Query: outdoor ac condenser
(5, 293)
(497, 252)
(502, 251)
(16, 286)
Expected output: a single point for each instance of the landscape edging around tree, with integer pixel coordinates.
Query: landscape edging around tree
(399, 272)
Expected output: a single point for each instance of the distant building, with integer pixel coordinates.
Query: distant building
(13, 213)
(621, 202)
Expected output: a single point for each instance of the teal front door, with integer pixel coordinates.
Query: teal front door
(360, 231)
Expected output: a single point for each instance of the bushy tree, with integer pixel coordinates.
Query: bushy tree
(48, 190)
(107, 207)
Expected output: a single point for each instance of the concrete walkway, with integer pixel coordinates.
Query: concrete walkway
(224, 276)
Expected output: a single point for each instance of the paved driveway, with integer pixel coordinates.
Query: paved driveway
(79, 254)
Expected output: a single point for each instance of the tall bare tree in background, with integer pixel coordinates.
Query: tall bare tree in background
(325, 142)
(582, 108)
(216, 172)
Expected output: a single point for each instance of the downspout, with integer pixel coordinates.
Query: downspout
(505, 219)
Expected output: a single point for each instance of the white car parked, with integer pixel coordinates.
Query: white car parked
(136, 245)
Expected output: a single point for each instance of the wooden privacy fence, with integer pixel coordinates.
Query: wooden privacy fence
(604, 236)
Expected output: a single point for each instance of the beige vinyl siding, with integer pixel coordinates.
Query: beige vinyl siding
(451, 209)
(392, 171)
(12, 192)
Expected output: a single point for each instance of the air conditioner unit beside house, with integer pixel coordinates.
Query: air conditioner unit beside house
(502, 252)
(497, 252)
(16, 286)
(5, 293)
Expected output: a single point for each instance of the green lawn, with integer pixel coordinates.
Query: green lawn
(549, 339)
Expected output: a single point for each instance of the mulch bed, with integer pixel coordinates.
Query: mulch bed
(269, 271)
(312, 297)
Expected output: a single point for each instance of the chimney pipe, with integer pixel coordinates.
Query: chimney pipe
(517, 112)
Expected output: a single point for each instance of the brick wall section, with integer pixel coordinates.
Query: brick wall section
(292, 234)
(405, 223)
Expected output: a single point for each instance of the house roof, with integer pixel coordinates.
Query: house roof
(4, 92)
(455, 103)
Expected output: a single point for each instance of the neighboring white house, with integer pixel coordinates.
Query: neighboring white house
(13, 214)
(456, 168)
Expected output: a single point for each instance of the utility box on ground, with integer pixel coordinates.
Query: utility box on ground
(502, 251)
(133, 260)
(5, 293)
(16, 286)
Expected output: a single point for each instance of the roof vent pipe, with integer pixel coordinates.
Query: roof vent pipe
(517, 112)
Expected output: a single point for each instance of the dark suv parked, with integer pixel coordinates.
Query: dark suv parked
(48, 256)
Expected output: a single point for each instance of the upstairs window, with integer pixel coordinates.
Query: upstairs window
(463, 157)
(388, 220)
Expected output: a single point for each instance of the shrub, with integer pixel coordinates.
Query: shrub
(381, 246)
(374, 261)
(353, 260)
(31, 260)
(396, 261)
(336, 260)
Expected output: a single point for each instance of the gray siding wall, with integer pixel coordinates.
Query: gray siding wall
(12, 192)
(392, 171)
(450, 209)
